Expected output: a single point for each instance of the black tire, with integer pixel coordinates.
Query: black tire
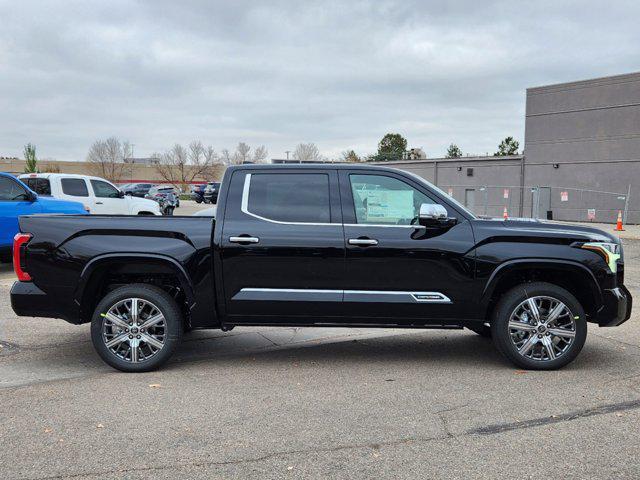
(482, 330)
(198, 200)
(167, 306)
(511, 300)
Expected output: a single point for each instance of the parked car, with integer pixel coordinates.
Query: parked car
(168, 203)
(197, 193)
(97, 194)
(322, 245)
(159, 192)
(17, 199)
(137, 189)
(211, 192)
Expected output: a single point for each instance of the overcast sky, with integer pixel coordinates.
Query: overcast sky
(340, 74)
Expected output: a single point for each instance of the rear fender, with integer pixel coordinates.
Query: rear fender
(137, 263)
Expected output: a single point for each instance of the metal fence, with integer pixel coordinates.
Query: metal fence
(542, 202)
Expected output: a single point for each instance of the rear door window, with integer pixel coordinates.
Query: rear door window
(75, 187)
(287, 197)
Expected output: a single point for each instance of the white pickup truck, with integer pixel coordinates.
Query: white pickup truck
(96, 194)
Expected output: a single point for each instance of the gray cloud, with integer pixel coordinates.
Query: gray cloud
(340, 74)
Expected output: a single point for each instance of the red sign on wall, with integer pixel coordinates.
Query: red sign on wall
(564, 196)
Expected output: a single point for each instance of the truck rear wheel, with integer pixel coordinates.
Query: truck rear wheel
(136, 328)
(539, 326)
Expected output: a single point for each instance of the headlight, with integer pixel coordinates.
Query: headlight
(609, 251)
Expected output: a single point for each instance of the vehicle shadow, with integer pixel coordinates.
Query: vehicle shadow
(398, 350)
(6, 269)
(437, 348)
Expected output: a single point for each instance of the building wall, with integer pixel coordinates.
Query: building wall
(132, 172)
(591, 130)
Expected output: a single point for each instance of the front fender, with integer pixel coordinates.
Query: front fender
(540, 264)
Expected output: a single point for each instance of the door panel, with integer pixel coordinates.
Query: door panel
(470, 199)
(107, 199)
(411, 274)
(77, 190)
(12, 205)
(290, 265)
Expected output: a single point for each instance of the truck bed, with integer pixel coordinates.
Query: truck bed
(66, 250)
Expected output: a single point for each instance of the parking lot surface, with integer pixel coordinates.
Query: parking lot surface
(317, 403)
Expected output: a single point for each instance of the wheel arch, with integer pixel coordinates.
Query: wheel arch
(139, 266)
(572, 276)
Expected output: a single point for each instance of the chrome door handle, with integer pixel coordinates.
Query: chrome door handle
(98, 203)
(244, 239)
(363, 241)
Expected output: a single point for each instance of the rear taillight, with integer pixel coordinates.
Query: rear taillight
(19, 243)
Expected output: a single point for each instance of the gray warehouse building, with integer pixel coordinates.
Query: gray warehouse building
(581, 157)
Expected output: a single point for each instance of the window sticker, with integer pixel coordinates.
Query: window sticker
(387, 205)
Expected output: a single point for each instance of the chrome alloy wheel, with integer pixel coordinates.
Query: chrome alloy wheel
(134, 330)
(542, 328)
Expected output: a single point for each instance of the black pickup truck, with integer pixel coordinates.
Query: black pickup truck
(321, 245)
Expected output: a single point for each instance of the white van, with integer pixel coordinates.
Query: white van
(96, 194)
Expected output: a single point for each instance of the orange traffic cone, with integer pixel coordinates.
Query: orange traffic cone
(505, 215)
(619, 227)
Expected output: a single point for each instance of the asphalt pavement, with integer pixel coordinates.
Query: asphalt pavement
(317, 403)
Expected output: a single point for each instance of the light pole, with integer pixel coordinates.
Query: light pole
(131, 166)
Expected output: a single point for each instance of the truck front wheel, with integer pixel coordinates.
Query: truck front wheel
(539, 326)
(136, 328)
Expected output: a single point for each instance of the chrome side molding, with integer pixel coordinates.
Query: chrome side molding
(320, 295)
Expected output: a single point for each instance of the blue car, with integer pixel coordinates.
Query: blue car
(17, 199)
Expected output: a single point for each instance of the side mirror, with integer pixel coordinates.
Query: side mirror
(32, 197)
(433, 215)
(120, 194)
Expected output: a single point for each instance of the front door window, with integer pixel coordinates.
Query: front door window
(382, 200)
(104, 189)
(12, 191)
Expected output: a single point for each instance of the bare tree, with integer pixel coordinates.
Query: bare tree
(242, 153)
(107, 158)
(180, 166)
(307, 152)
(225, 157)
(210, 156)
(260, 154)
